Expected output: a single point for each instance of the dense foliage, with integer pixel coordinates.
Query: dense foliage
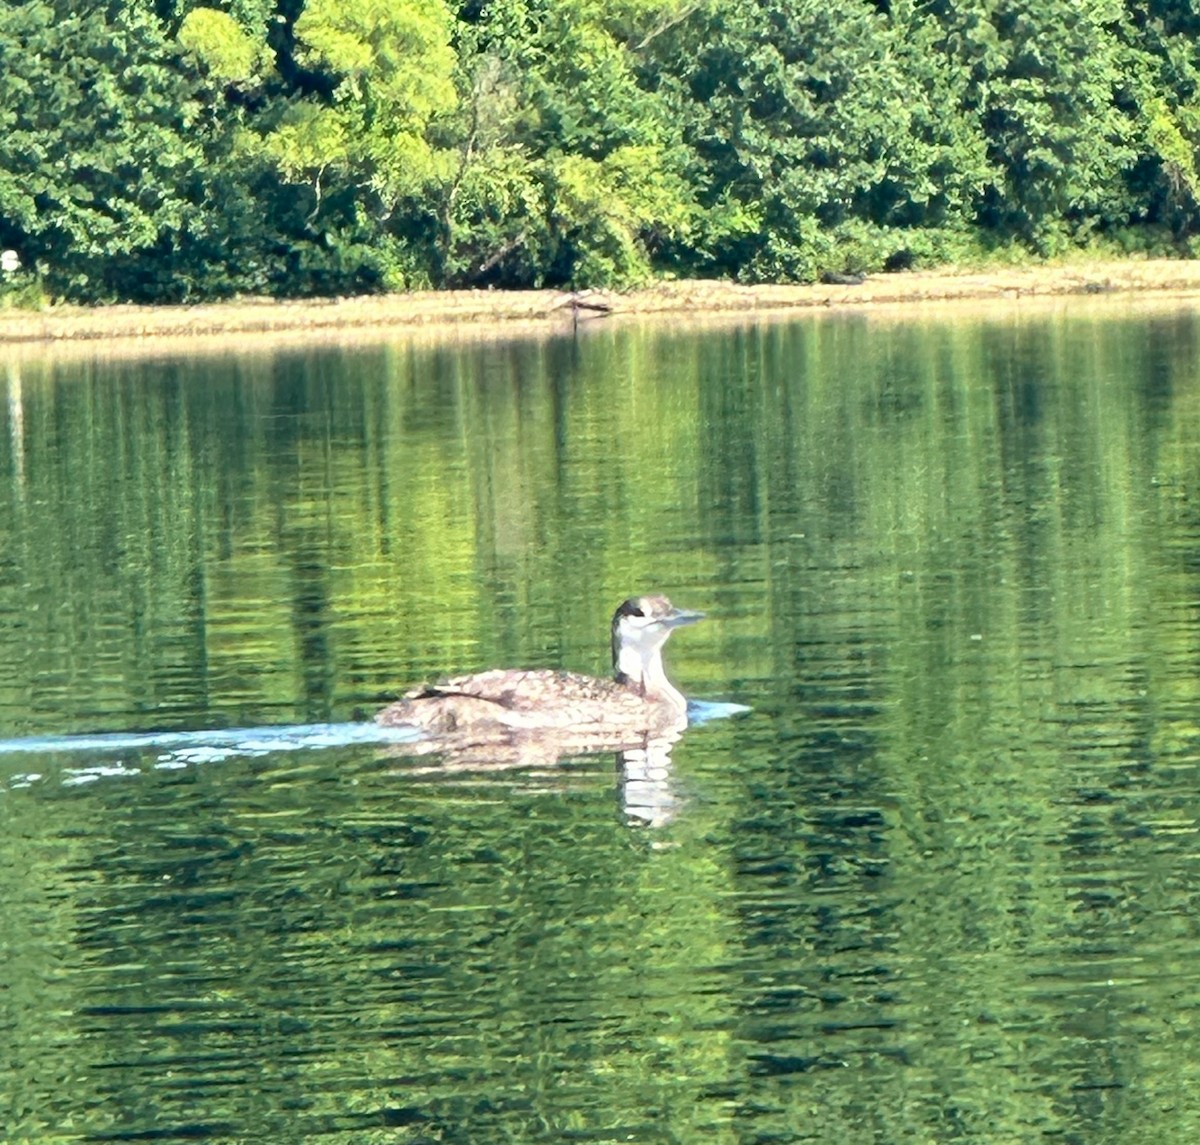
(166, 150)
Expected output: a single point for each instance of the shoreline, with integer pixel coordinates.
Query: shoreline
(548, 310)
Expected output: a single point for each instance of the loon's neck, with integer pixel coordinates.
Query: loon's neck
(644, 673)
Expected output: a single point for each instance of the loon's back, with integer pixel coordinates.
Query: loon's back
(639, 700)
(530, 700)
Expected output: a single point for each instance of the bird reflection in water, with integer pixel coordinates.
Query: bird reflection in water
(509, 718)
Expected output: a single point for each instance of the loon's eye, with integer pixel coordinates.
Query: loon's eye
(630, 609)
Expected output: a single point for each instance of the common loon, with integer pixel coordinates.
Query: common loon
(638, 701)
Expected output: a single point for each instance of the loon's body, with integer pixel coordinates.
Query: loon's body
(637, 701)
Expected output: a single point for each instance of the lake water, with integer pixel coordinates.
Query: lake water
(941, 882)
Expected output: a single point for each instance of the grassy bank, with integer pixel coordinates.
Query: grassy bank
(553, 309)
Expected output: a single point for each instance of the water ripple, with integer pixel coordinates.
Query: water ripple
(175, 750)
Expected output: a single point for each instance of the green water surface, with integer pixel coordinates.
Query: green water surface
(941, 883)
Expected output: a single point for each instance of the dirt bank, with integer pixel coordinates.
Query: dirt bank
(550, 309)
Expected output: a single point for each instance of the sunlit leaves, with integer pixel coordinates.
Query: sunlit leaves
(394, 66)
(226, 51)
(1175, 152)
(310, 138)
(394, 53)
(612, 210)
(592, 172)
(1162, 74)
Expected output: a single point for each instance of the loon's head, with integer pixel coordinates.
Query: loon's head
(640, 627)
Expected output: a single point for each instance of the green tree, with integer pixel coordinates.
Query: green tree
(806, 116)
(1163, 78)
(169, 149)
(389, 69)
(98, 140)
(229, 52)
(571, 169)
(1045, 81)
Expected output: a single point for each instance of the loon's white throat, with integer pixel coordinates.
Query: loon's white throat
(640, 628)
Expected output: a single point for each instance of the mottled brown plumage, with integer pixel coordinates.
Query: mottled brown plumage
(639, 701)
